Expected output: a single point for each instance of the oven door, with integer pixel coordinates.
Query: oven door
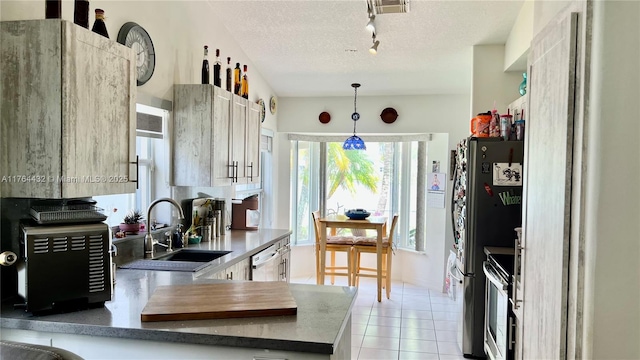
(498, 316)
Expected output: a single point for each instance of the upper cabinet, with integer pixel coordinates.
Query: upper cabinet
(214, 135)
(68, 112)
(245, 141)
(201, 136)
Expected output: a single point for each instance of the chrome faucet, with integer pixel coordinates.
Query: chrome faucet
(149, 242)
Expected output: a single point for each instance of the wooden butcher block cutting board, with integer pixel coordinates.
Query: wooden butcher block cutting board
(220, 300)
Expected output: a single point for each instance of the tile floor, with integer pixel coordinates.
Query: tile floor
(416, 323)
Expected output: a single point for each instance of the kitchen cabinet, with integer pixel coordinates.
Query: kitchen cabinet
(245, 141)
(238, 271)
(68, 112)
(550, 255)
(201, 135)
(216, 137)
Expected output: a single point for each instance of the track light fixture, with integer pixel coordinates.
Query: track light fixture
(374, 48)
(371, 25)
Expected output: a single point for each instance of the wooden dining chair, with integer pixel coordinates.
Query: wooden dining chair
(369, 245)
(334, 244)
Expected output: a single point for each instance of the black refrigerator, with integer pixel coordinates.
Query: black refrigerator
(487, 207)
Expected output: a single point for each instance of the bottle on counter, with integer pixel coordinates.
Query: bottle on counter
(217, 81)
(53, 9)
(81, 13)
(237, 79)
(229, 72)
(99, 27)
(205, 66)
(244, 89)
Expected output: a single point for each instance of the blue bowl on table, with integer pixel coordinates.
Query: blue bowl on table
(357, 214)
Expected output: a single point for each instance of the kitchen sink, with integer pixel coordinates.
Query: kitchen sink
(193, 255)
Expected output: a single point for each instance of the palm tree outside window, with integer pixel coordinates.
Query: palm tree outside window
(382, 180)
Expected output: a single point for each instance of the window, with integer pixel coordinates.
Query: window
(153, 167)
(383, 180)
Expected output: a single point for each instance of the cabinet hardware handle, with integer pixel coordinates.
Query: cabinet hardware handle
(137, 163)
(251, 172)
(512, 327)
(235, 171)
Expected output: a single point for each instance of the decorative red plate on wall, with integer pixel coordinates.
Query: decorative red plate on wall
(324, 117)
(389, 115)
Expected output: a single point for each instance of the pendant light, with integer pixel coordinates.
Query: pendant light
(354, 142)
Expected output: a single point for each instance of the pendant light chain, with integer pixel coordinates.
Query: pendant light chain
(355, 109)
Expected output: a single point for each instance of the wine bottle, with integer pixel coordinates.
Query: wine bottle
(217, 81)
(81, 13)
(53, 9)
(244, 91)
(229, 71)
(236, 79)
(205, 66)
(99, 27)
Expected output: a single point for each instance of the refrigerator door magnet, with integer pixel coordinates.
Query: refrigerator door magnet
(505, 175)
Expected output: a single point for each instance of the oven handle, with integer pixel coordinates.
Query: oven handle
(493, 277)
(516, 279)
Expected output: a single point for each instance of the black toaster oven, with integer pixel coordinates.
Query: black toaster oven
(64, 267)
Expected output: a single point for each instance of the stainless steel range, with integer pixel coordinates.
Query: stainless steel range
(499, 324)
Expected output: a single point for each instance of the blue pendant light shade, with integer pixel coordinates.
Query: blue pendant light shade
(354, 142)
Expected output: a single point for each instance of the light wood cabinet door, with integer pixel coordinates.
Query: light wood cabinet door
(547, 187)
(252, 144)
(68, 111)
(201, 136)
(238, 133)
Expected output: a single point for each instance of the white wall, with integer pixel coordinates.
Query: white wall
(516, 49)
(612, 249)
(489, 81)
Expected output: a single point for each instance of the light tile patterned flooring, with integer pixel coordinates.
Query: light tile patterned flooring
(416, 323)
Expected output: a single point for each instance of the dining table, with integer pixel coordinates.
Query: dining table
(339, 222)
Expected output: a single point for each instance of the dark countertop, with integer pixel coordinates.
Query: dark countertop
(241, 243)
(323, 311)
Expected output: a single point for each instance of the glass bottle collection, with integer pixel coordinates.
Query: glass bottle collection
(237, 80)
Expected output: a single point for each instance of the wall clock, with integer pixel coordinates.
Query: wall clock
(137, 38)
(273, 105)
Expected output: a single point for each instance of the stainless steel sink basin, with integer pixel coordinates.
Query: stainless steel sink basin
(193, 255)
(190, 260)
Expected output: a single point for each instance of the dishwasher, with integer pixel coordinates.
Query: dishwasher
(272, 263)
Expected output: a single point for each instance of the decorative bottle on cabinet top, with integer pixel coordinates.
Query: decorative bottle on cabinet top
(217, 81)
(244, 91)
(523, 84)
(53, 9)
(229, 71)
(236, 79)
(205, 66)
(81, 13)
(99, 27)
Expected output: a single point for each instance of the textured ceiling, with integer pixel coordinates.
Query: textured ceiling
(318, 47)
